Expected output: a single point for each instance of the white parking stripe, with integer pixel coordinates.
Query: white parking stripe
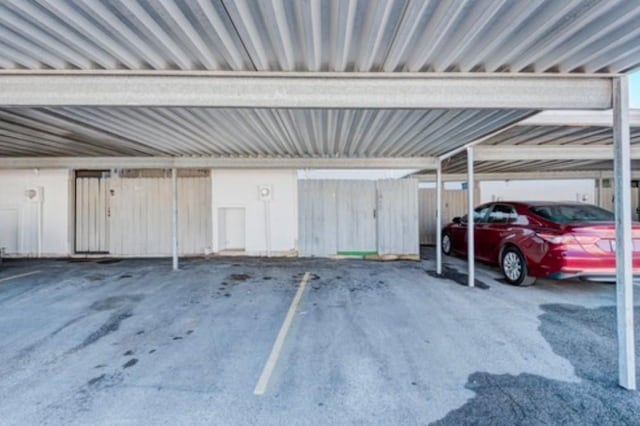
(261, 387)
(26, 274)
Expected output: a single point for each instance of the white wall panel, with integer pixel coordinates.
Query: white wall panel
(398, 226)
(606, 202)
(358, 217)
(356, 205)
(140, 222)
(318, 220)
(454, 203)
(533, 190)
(240, 189)
(9, 229)
(22, 237)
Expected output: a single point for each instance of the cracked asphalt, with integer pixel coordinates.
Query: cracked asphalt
(130, 342)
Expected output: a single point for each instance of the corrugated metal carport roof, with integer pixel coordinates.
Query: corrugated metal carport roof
(105, 131)
(480, 37)
(332, 35)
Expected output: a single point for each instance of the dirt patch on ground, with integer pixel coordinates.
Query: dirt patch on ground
(108, 261)
(239, 277)
(115, 302)
(112, 324)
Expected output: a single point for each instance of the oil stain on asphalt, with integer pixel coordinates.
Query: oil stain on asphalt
(112, 324)
(123, 309)
(130, 363)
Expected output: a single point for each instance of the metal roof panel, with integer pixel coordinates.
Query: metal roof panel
(542, 36)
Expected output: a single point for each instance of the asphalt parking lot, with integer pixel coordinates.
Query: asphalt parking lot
(130, 342)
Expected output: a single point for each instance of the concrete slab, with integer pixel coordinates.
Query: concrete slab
(130, 342)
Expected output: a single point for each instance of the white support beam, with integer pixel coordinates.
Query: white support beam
(549, 152)
(578, 118)
(624, 243)
(174, 217)
(422, 163)
(304, 90)
(439, 220)
(558, 175)
(471, 252)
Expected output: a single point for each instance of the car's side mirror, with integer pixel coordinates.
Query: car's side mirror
(457, 219)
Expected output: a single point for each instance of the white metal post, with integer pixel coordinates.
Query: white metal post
(439, 219)
(470, 219)
(174, 216)
(599, 193)
(624, 247)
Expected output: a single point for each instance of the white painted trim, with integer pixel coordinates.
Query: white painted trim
(26, 274)
(263, 381)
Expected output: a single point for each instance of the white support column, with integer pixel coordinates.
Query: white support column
(471, 255)
(600, 182)
(439, 218)
(624, 246)
(174, 216)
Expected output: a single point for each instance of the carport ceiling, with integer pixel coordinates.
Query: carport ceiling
(105, 131)
(429, 38)
(292, 35)
(542, 132)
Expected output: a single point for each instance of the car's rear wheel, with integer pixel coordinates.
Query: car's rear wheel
(514, 267)
(446, 244)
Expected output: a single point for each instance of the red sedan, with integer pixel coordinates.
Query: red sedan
(530, 240)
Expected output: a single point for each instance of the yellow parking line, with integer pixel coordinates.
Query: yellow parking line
(26, 274)
(261, 387)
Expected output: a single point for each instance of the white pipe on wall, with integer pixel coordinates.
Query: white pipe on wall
(267, 226)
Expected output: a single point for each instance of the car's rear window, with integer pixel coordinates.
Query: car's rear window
(573, 213)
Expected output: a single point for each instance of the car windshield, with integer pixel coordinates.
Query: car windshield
(573, 213)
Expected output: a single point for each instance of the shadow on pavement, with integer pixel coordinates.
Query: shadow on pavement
(585, 337)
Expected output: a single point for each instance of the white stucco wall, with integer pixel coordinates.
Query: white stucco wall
(534, 190)
(19, 215)
(240, 188)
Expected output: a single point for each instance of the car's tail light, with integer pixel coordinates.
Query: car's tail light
(555, 238)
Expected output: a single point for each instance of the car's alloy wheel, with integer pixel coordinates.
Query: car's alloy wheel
(446, 244)
(514, 268)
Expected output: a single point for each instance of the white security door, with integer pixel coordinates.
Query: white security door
(232, 228)
(92, 212)
(9, 230)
